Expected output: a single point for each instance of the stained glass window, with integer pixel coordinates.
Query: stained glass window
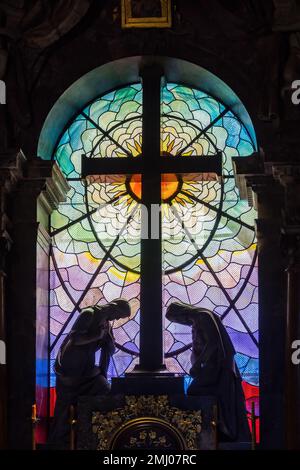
(208, 237)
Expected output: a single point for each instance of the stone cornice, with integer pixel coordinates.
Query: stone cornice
(245, 167)
(55, 188)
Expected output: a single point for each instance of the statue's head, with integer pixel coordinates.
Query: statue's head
(118, 308)
(180, 312)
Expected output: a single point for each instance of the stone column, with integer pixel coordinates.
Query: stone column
(289, 178)
(256, 183)
(268, 201)
(39, 191)
(10, 172)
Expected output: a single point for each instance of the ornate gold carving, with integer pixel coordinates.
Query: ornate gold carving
(185, 422)
(156, 434)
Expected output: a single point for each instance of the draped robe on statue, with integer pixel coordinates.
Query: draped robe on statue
(214, 370)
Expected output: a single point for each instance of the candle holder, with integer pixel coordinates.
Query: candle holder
(73, 423)
(34, 421)
(253, 426)
(214, 425)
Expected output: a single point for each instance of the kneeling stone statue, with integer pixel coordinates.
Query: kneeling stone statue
(214, 370)
(75, 369)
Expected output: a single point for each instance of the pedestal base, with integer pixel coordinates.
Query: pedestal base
(148, 384)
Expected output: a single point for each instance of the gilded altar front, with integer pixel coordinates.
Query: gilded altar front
(147, 422)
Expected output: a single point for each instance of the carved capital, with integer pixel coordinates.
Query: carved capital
(55, 189)
(42, 186)
(258, 189)
(245, 167)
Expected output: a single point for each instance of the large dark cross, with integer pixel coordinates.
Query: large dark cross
(151, 165)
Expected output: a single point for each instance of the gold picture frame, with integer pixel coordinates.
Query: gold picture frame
(130, 19)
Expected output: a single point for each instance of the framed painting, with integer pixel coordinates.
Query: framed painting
(146, 13)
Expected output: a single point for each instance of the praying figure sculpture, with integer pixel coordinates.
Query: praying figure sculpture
(76, 372)
(214, 370)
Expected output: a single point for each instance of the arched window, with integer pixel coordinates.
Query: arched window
(208, 237)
